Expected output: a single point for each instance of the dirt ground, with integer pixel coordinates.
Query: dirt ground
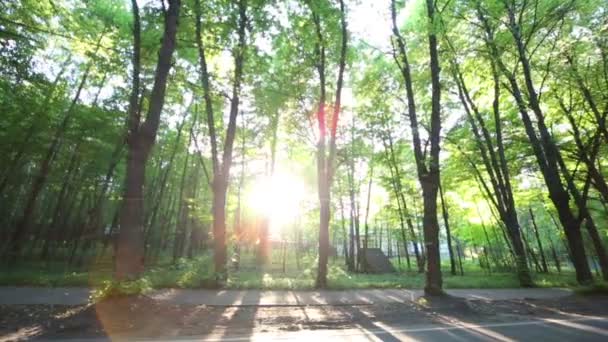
(143, 317)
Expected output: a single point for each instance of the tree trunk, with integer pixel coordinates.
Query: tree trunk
(555, 257)
(163, 182)
(540, 245)
(321, 280)
(130, 242)
(182, 211)
(427, 166)
(130, 247)
(585, 216)
(448, 234)
(219, 227)
(23, 226)
(532, 254)
(401, 203)
(50, 230)
(351, 245)
(238, 229)
(497, 169)
(325, 168)
(221, 172)
(459, 251)
(431, 236)
(365, 241)
(347, 258)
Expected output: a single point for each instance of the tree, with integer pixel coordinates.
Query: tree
(130, 247)
(492, 151)
(544, 147)
(221, 169)
(325, 160)
(427, 167)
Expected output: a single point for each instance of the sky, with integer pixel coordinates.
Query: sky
(370, 21)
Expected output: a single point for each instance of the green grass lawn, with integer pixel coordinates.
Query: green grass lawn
(198, 274)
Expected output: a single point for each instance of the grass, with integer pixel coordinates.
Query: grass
(599, 288)
(198, 273)
(36, 275)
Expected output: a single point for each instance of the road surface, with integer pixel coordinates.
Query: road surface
(355, 315)
(76, 296)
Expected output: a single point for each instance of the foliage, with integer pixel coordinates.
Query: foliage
(66, 149)
(114, 288)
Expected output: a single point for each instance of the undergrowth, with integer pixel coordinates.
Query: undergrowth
(298, 275)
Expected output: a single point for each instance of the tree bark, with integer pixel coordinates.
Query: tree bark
(325, 167)
(427, 167)
(129, 262)
(221, 172)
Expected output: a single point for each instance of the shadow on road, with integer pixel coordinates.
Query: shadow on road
(447, 318)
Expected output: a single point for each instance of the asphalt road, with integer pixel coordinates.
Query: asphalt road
(76, 296)
(506, 325)
(554, 330)
(541, 330)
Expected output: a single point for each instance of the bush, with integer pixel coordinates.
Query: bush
(113, 288)
(185, 273)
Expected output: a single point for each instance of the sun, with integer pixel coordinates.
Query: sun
(280, 198)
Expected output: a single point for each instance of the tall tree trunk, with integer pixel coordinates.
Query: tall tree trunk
(531, 252)
(325, 167)
(238, 220)
(354, 203)
(163, 181)
(344, 234)
(365, 241)
(584, 214)
(448, 234)
(460, 256)
(50, 230)
(540, 245)
(194, 243)
(183, 211)
(401, 202)
(130, 247)
(555, 257)
(489, 250)
(221, 172)
(427, 166)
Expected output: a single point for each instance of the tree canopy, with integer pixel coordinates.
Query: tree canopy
(153, 131)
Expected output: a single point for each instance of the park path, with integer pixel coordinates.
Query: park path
(75, 296)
